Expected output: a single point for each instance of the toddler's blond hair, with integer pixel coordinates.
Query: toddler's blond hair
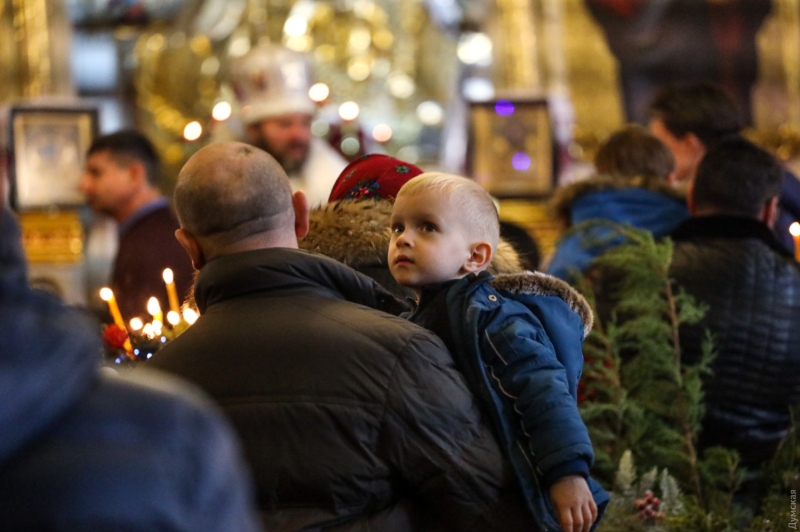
(479, 214)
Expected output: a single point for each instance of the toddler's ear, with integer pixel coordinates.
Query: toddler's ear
(479, 258)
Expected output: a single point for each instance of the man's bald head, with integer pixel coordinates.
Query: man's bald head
(230, 191)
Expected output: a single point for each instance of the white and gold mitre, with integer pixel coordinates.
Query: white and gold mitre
(271, 80)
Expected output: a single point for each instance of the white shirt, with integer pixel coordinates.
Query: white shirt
(319, 173)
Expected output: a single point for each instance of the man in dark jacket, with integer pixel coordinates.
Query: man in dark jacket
(352, 419)
(690, 118)
(80, 451)
(727, 257)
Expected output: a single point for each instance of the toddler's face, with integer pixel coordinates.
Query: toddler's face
(429, 243)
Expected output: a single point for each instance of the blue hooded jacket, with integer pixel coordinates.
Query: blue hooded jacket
(517, 340)
(656, 208)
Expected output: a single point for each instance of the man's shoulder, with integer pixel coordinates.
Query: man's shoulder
(159, 220)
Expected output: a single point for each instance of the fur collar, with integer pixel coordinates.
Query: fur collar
(540, 284)
(565, 196)
(357, 233)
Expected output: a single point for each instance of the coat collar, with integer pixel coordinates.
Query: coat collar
(541, 284)
(357, 233)
(284, 270)
(727, 227)
(566, 196)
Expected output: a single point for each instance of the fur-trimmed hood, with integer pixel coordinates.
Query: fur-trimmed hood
(357, 233)
(541, 284)
(565, 197)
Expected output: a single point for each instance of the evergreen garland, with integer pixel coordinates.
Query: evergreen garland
(637, 395)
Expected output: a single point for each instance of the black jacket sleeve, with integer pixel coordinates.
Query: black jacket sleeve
(434, 434)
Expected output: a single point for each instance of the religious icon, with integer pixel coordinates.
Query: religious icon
(49, 147)
(510, 147)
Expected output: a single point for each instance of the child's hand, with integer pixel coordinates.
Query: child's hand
(573, 503)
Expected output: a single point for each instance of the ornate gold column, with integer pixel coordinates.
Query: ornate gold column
(34, 49)
(516, 58)
(789, 16)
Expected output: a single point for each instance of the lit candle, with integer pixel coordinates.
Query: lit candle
(794, 229)
(107, 295)
(190, 316)
(136, 324)
(173, 318)
(154, 308)
(172, 292)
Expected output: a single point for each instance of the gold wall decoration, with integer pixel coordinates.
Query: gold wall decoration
(516, 61)
(386, 55)
(52, 236)
(34, 49)
(535, 217)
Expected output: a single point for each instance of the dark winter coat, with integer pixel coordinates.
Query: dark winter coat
(752, 288)
(352, 419)
(357, 233)
(649, 204)
(518, 340)
(85, 452)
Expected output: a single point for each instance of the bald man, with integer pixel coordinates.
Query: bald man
(347, 414)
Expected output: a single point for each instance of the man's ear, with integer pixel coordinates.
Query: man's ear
(480, 256)
(695, 148)
(188, 241)
(137, 172)
(301, 209)
(769, 213)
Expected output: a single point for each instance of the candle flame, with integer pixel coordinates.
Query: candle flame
(190, 316)
(136, 324)
(153, 307)
(168, 276)
(106, 294)
(173, 317)
(794, 229)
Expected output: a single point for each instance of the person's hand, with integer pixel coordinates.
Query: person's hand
(573, 503)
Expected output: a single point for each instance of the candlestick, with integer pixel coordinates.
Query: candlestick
(794, 230)
(172, 292)
(107, 295)
(154, 308)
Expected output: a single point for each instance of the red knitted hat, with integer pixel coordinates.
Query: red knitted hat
(373, 176)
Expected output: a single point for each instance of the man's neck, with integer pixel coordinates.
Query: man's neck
(265, 240)
(139, 200)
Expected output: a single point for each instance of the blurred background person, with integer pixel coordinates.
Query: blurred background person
(632, 186)
(726, 256)
(121, 181)
(271, 83)
(690, 118)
